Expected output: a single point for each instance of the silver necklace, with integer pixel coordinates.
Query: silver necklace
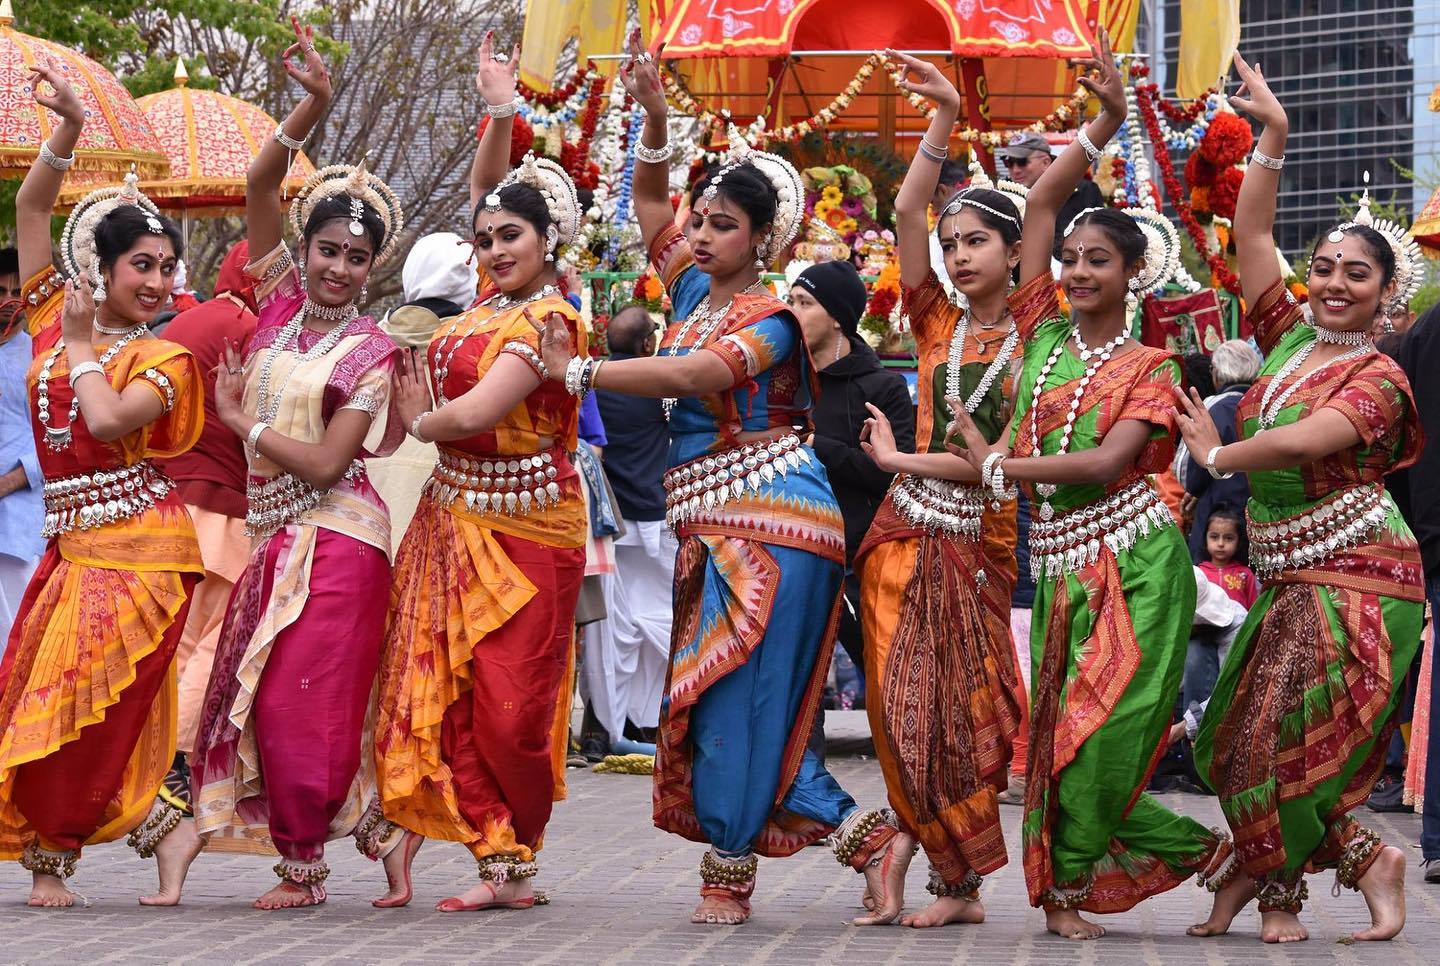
(992, 372)
(59, 438)
(1272, 404)
(708, 320)
(1337, 337)
(1100, 355)
(503, 302)
(268, 407)
(113, 330)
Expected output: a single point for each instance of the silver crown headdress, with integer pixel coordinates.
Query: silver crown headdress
(789, 191)
(362, 188)
(1409, 262)
(561, 200)
(1162, 248)
(980, 178)
(77, 241)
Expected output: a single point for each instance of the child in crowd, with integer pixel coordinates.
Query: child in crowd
(1225, 546)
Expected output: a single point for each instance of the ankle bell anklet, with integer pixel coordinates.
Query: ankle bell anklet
(1223, 866)
(303, 873)
(967, 888)
(1277, 896)
(501, 869)
(1056, 897)
(45, 862)
(373, 833)
(733, 877)
(863, 834)
(1360, 853)
(159, 823)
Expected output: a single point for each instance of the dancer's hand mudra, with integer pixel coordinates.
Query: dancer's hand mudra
(556, 349)
(412, 389)
(964, 439)
(496, 77)
(311, 73)
(640, 76)
(62, 98)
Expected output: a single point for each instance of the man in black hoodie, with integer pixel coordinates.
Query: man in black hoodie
(829, 299)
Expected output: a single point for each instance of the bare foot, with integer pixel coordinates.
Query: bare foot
(291, 895)
(1383, 886)
(397, 872)
(1229, 902)
(867, 900)
(1068, 923)
(1282, 927)
(173, 855)
(50, 891)
(885, 881)
(945, 910)
(721, 911)
(514, 894)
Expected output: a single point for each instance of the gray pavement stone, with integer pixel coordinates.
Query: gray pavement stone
(622, 893)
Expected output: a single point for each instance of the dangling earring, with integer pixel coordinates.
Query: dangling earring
(1132, 297)
(551, 238)
(761, 251)
(99, 294)
(1387, 324)
(365, 291)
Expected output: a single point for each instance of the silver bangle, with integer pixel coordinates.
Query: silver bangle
(1082, 136)
(577, 375)
(942, 149)
(988, 467)
(286, 141)
(254, 438)
(82, 368)
(649, 155)
(53, 159)
(415, 425)
(1210, 464)
(1265, 161)
(929, 152)
(507, 109)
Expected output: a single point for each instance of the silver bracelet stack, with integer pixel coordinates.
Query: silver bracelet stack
(580, 375)
(54, 160)
(938, 155)
(1210, 466)
(649, 155)
(415, 425)
(1091, 151)
(1265, 161)
(254, 438)
(507, 109)
(286, 141)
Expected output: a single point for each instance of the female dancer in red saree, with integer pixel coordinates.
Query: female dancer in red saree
(489, 570)
(1296, 730)
(279, 762)
(87, 684)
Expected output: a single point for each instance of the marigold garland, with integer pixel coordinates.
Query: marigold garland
(557, 95)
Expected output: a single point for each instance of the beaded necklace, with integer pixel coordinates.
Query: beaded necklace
(992, 372)
(502, 303)
(1271, 404)
(59, 438)
(1100, 356)
(268, 407)
(708, 320)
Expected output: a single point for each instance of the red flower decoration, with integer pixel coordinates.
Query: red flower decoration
(1225, 192)
(522, 137)
(1227, 141)
(1200, 173)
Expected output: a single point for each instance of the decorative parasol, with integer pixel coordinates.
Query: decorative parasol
(210, 138)
(116, 135)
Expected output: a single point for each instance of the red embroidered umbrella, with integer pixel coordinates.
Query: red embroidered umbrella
(116, 135)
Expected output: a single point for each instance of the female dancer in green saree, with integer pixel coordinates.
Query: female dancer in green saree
(1114, 585)
(1296, 730)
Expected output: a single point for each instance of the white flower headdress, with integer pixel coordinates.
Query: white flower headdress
(1409, 262)
(789, 191)
(361, 186)
(554, 185)
(77, 241)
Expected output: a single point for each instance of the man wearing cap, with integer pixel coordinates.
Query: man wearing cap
(829, 299)
(1026, 157)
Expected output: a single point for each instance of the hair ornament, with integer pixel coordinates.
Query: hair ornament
(555, 187)
(1409, 263)
(362, 188)
(782, 176)
(77, 241)
(1162, 248)
(980, 178)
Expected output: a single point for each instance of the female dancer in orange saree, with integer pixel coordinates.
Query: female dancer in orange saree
(489, 570)
(279, 762)
(1296, 730)
(87, 685)
(938, 566)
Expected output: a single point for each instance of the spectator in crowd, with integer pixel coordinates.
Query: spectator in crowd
(829, 299)
(211, 478)
(22, 512)
(1026, 158)
(1416, 490)
(627, 655)
(1225, 549)
(1234, 366)
(438, 283)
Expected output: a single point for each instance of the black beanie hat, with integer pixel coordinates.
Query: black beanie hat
(837, 287)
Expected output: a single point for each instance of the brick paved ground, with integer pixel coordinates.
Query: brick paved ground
(622, 894)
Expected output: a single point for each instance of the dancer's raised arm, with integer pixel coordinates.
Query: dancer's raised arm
(1043, 205)
(35, 201)
(263, 212)
(912, 201)
(1255, 208)
(496, 81)
(650, 197)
